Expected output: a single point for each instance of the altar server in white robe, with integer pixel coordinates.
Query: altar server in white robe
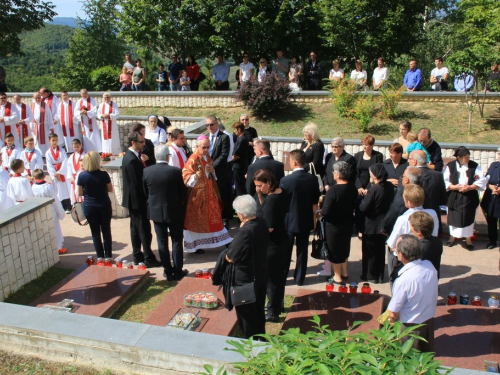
(53, 103)
(86, 111)
(23, 123)
(31, 157)
(4, 177)
(69, 122)
(73, 169)
(8, 117)
(9, 153)
(41, 125)
(5, 201)
(57, 162)
(42, 188)
(108, 114)
(19, 187)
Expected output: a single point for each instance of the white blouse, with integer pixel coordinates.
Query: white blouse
(157, 136)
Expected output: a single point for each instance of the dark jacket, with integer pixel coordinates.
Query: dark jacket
(132, 171)
(314, 75)
(264, 162)
(396, 209)
(223, 276)
(432, 249)
(434, 150)
(375, 205)
(395, 172)
(435, 190)
(375, 158)
(491, 203)
(314, 154)
(302, 192)
(219, 155)
(165, 189)
(330, 161)
(149, 150)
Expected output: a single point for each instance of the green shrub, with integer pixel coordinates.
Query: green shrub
(105, 79)
(390, 101)
(335, 352)
(363, 111)
(263, 98)
(207, 84)
(344, 96)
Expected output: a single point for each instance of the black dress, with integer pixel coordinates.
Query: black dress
(314, 154)
(274, 209)
(338, 209)
(248, 251)
(491, 203)
(240, 165)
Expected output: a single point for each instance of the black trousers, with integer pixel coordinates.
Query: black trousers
(276, 255)
(239, 181)
(251, 317)
(224, 86)
(492, 228)
(177, 235)
(426, 332)
(99, 219)
(140, 234)
(373, 256)
(226, 197)
(301, 241)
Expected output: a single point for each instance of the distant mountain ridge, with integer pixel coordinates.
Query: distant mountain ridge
(66, 21)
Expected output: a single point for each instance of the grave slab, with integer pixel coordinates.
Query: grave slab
(217, 321)
(466, 336)
(96, 290)
(338, 310)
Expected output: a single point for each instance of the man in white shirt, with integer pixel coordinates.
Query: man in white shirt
(23, 123)
(246, 69)
(8, 118)
(176, 149)
(439, 76)
(380, 75)
(86, 110)
(415, 292)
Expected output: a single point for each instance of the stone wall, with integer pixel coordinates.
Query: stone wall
(28, 244)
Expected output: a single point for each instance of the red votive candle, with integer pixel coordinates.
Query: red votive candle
(118, 262)
(90, 260)
(353, 288)
(365, 289)
(100, 262)
(141, 267)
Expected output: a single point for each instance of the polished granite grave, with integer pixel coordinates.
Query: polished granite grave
(338, 310)
(218, 321)
(96, 290)
(466, 336)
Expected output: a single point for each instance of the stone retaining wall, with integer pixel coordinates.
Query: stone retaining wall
(28, 244)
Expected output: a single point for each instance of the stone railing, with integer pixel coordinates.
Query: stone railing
(115, 173)
(28, 243)
(214, 99)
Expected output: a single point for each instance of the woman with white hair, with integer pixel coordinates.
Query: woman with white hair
(248, 252)
(154, 133)
(108, 114)
(313, 148)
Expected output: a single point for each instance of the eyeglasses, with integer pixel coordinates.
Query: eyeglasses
(207, 125)
(245, 119)
(262, 62)
(205, 148)
(3, 97)
(140, 142)
(169, 133)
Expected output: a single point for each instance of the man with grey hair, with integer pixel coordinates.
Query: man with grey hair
(165, 189)
(264, 160)
(433, 148)
(415, 292)
(338, 154)
(432, 182)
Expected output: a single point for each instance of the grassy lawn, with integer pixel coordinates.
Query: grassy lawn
(448, 121)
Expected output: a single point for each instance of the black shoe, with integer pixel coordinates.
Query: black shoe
(491, 245)
(169, 277)
(469, 247)
(363, 278)
(450, 244)
(200, 251)
(153, 264)
(272, 318)
(180, 275)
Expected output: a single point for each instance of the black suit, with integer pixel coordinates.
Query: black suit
(264, 162)
(314, 75)
(302, 192)
(136, 201)
(434, 150)
(435, 191)
(164, 186)
(219, 155)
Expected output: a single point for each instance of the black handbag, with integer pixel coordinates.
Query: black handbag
(319, 246)
(243, 295)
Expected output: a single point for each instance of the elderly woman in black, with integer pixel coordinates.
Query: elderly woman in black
(463, 178)
(337, 210)
(274, 207)
(491, 201)
(338, 154)
(375, 206)
(247, 250)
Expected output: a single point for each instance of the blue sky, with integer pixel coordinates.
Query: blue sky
(68, 8)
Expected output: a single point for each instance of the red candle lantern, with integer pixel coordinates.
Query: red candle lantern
(90, 260)
(353, 288)
(211, 273)
(141, 267)
(108, 262)
(343, 288)
(198, 274)
(452, 298)
(204, 273)
(365, 289)
(100, 262)
(130, 265)
(476, 301)
(119, 262)
(329, 286)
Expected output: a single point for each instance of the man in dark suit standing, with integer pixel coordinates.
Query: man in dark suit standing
(148, 152)
(219, 152)
(262, 149)
(165, 189)
(302, 191)
(136, 201)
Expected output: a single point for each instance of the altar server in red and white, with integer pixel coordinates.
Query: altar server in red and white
(9, 153)
(8, 117)
(108, 113)
(31, 157)
(19, 187)
(69, 122)
(57, 162)
(23, 123)
(53, 103)
(177, 153)
(73, 170)
(86, 111)
(4, 177)
(41, 125)
(42, 188)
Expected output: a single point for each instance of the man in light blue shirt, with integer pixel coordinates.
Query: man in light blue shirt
(463, 82)
(413, 77)
(221, 74)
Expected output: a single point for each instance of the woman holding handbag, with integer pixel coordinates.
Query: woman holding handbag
(314, 149)
(248, 252)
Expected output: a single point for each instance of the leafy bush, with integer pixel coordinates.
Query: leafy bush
(335, 352)
(207, 84)
(363, 111)
(263, 98)
(105, 79)
(390, 101)
(344, 96)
